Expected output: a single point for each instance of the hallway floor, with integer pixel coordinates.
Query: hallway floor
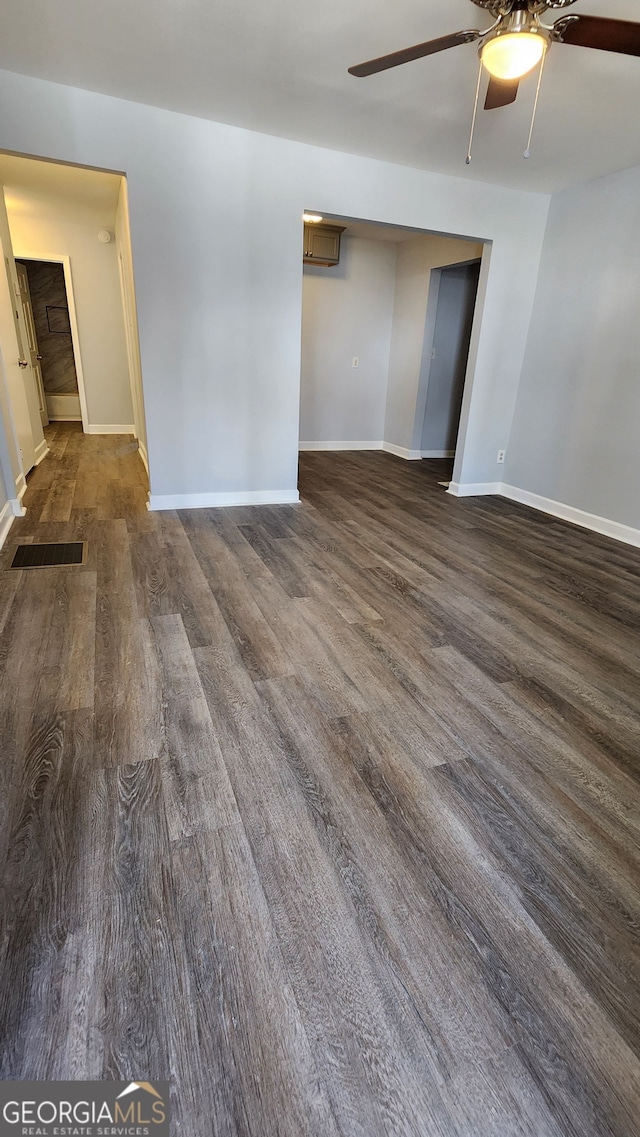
(328, 814)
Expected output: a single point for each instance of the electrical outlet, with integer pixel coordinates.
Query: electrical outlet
(355, 362)
(500, 458)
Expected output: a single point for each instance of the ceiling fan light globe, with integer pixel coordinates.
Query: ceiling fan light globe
(512, 55)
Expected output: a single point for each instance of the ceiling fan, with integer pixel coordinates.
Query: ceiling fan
(517, 42)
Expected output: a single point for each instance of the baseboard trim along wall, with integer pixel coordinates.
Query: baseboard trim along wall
(340, 445)
(64, 408)
(402, 452)
(144, 456)
(437, 453)
(389, 447)
(42, 449)
(12, 508)
(6, 521)
(474, 489)
(15, 503)
(603, 525)
(110, 428)
(215, 500)
(615, 529)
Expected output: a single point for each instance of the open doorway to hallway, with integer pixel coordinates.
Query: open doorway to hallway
(387, 320)
(68, 324)
(47, 323)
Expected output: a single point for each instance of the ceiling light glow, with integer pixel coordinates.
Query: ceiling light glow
(512, 55)
(312, 218)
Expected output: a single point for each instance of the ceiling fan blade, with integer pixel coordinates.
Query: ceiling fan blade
(596, 31)
(372, 66)
(500, 93)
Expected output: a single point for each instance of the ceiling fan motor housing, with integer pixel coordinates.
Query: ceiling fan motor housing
(521, 25)
(519, 19)
(503, 7)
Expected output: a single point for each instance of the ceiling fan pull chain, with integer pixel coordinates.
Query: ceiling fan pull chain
(475, 115)
(527, 153)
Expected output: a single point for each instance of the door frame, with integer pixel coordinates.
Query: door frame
(73, 320)
(133, 354)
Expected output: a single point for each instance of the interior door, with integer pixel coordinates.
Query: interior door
(32, 342)
(21, 385)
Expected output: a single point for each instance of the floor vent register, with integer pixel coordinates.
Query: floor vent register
(49, 555)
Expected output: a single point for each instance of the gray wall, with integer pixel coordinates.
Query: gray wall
(445, 356)
(576, 429)
(347, 311)
(216, 225)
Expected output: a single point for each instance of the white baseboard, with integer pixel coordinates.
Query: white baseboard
(592, 521)
(214, 500)
(571, 513)
(340, 445)
(7, 516)
(402, 452)
(15, 503)
(474, 489)
(389, 447)
(64, 408)
(42, 449)
(110, 428)
(143, 454)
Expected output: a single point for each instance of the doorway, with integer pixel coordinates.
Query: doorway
(54, 217)
(367, 316)
(446, 356)
(47, 320)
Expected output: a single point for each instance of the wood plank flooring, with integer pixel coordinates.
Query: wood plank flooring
(326, 813)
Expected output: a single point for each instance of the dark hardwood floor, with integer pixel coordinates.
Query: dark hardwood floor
(327, 813)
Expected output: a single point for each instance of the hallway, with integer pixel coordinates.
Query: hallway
(326, 813)
(85, 477)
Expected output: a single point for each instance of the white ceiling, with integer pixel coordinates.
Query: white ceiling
(280, 66)
(23, 178)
